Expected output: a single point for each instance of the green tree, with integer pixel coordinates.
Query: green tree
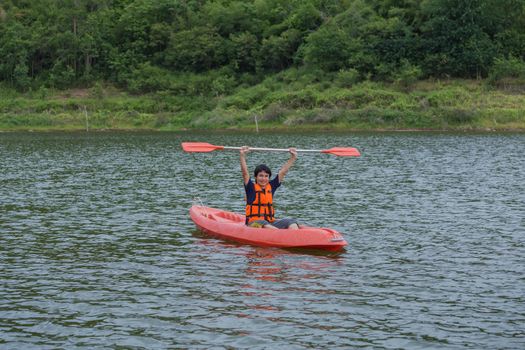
(244, 48)
(231, 17)
(504, 23)
(453, 39)
(197, 49)
(277, 52)
(65, 43)
(15, 46)
(330, 48)
(305, 17)
(360, 39)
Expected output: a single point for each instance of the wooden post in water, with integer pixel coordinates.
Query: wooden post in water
(87, 119)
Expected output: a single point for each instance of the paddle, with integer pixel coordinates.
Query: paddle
(207, 147)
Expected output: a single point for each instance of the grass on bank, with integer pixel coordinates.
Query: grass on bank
(288, 100)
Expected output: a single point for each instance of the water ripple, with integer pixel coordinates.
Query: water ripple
(97, 249)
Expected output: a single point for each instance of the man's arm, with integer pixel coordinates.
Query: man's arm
(288, 164)
(244, 167)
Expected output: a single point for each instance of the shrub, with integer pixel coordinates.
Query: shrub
(407, 75)
(294, 120)
(97, 91)
(507, 73)
(452, 96)
(347, 78)
(223, 85)
(325, 115)
(458, 116)
(273, 112)
(21, 77)
(148, 78)
(42, 92)
(246, 98)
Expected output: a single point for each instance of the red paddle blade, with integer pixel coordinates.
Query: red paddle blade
(343, 151)
(200, 147)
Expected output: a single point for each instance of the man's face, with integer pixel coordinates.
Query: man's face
(262, 178)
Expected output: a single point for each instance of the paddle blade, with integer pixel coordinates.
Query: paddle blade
(343, 151)
(200, 147)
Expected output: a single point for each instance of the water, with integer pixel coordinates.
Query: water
(97, 250)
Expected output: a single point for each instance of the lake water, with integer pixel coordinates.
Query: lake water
(97, 250)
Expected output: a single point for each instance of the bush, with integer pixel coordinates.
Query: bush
(97, 91)
(21, 77)
(305, 98)
(148, 78)
(223, 85)
(507, 73)
(322, 115)
(407, 75)
(347, 78)
(61, 76)
(274, 112)
(246, 98)
(42, 92)
(458, 116)
(452, 96)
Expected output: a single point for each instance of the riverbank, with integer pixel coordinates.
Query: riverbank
(274, 104)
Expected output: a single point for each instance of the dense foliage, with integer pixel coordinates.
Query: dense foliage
(213, 46)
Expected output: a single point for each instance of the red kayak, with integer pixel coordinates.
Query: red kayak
(230, 226)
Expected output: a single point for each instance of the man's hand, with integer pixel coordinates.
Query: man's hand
(244, 150)
(293, 152)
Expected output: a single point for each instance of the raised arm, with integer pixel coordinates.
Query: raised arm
(288, 164)
(244, 167)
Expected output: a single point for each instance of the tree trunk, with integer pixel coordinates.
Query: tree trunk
(87, 63)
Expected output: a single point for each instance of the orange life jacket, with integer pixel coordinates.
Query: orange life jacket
(262, 207)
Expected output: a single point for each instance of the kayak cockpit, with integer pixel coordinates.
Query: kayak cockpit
(223, 216)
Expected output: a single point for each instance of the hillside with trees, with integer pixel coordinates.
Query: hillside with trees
(268, 57)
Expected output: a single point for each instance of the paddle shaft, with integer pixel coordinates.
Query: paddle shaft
(275, 149)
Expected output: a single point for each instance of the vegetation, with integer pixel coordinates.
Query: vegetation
(281, 101)
(170, 64)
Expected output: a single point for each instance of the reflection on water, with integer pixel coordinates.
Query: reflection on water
(264, 273)
(267, 264)
(97, 249)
